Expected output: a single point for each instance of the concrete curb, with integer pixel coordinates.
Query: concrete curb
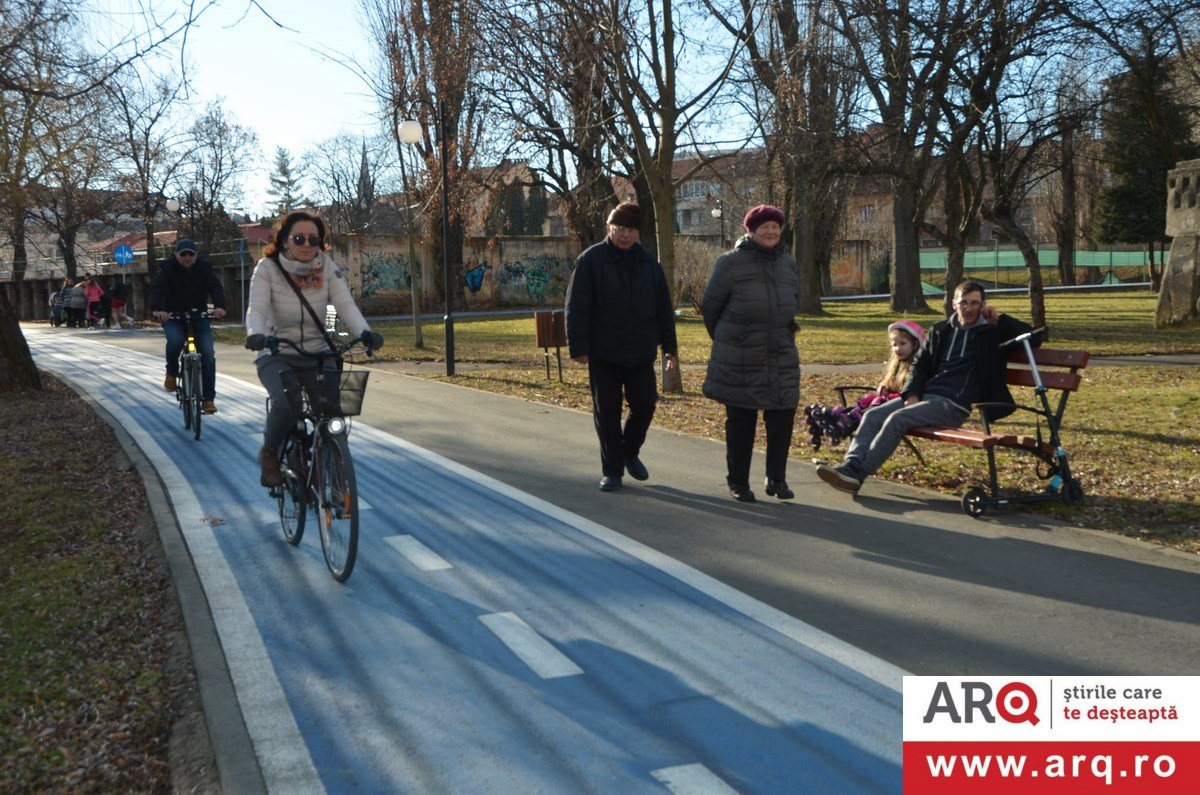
(237, 764)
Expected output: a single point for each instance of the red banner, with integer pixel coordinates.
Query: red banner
(1052, 768)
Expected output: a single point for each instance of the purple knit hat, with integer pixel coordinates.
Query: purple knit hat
(760, 215)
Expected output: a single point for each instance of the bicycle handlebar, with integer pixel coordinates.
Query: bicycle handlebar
(190, 313)
(1028, 335)
(273, 343)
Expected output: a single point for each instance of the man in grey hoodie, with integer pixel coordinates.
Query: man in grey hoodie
(960, 365)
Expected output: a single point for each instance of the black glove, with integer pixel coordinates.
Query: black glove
(256, 342)
(372, 339)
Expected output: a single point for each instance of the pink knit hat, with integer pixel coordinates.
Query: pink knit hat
(912, 327)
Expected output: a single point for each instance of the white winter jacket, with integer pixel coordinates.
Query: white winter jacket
(276, 311)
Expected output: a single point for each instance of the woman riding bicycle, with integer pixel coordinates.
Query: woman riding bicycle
(289, 291)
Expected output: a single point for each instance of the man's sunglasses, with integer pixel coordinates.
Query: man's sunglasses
(187, 253)
(312, 240)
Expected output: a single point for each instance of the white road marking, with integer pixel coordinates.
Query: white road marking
(537, 652)
(417, 553)
(854, 658)
(692, 780)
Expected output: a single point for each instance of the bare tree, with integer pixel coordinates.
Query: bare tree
(222, 153)
(790, 54)
(152, 144)
(78, 163)
(545, 75)
(429, 50)
(907, 53)
(342, 173)
(1018, 133)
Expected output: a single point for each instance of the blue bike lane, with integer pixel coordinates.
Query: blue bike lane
(506, 645)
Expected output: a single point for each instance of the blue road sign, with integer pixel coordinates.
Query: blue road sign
(123, 255)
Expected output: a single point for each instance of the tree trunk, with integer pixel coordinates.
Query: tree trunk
(20, 262)
(664, 200)
(1066, 228)
(809, 300)
(906, 251)
(956, 250)
(1037, 291)
(17, 370)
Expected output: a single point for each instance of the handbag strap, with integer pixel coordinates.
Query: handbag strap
(311, 312)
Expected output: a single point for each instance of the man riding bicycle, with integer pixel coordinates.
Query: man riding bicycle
(185, 281)
(289, 291)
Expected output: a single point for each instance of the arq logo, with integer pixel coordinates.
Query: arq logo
(1016, 702)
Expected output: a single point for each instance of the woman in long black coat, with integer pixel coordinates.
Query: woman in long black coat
(749, 309)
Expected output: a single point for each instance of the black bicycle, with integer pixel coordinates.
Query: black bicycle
(189, 387)
(315, 456)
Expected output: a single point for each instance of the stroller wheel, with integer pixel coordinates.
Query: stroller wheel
(973, 502)
(1074, 492)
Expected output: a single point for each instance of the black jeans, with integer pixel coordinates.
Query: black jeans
(740, 424)
(608, 382)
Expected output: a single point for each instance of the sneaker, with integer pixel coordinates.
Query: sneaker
(840, 477)
(169, 383)
(268, 462)
(779, 489)
(741, 492)
(209, 407)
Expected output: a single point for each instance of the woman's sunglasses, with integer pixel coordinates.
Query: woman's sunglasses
(312, 240)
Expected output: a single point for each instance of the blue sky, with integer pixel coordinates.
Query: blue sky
(286, 85)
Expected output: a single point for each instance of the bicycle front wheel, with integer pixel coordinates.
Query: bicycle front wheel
(197, 395)
(293, 494)
(338, 506)
(182, 393)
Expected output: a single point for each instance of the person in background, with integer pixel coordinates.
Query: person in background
(57, 315)
(92, 293)
(619, 312)
(289, 290)
(749, 309)
(119, 293)
(834, 423)
(78, 305)
(186, 281)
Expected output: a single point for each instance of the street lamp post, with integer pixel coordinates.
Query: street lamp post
(410, 132)
(718, 212)
(414, 269)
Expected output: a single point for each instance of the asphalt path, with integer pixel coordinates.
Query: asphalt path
(510, 628)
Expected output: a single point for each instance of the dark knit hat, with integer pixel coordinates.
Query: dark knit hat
(760, 215)
(626, 214)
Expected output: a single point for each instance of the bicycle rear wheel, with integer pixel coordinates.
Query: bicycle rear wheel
(338, 506)
(197, 396)
(182, 392)
(293, 494)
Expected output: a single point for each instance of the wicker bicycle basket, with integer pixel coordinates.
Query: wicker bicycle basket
(327, 393)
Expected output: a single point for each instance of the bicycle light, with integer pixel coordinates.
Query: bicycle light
(336, 425)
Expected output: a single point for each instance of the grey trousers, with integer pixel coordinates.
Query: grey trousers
(883, 427)
(280, 418)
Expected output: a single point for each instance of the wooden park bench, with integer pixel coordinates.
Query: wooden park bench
(1057, 372)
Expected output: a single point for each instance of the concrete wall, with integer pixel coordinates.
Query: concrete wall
(517, 271)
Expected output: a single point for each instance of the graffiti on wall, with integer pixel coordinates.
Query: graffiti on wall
(473, 276)
(383, 271)
(536, 279)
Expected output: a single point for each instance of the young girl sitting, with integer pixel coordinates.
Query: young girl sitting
(905, 338)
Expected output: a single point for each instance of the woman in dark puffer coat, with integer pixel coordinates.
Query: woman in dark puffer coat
(749, 309)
